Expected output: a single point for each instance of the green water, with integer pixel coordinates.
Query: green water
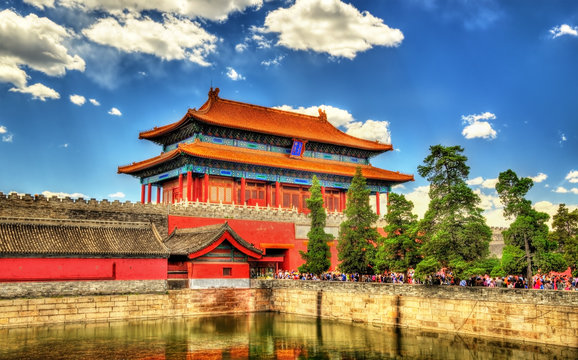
(256, 336)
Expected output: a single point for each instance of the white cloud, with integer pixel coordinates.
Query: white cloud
(233, 75)
(117, 195)
(478, 126)
(485, 183)
(50, 194)
(564, 29)
(475, 181)
(114, 111)
(36, 43)
(3, 130)
(276, 61)
(240, 47)
(563, 190)
(572, 176)
(94, 102)
(38, 91)
(563, 138)
(77, 99)
(65, 146)
(337, 117)
(370, 130)
(262, 42)
(539, 178)
(173, 39)
(490, 183)
(329, 26)
(217, 10)
(7, 138)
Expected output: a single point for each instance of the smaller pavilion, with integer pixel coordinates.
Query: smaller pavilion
(210, 256)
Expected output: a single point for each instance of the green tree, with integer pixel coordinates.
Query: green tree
(318, 257)
(453, 226)
(528, 232)
(399, 250)
(357, 234)
(565, 234)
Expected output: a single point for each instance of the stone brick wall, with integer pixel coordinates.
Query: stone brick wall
(9, 290)
(181, 303)
(530, 315)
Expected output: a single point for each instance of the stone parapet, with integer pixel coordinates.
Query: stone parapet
(526, 315)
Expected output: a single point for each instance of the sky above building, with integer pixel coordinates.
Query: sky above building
(79, 79)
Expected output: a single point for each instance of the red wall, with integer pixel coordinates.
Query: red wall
(215, 270)
(55, 269)
(258, 232)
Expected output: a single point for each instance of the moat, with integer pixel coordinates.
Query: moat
(256, 336)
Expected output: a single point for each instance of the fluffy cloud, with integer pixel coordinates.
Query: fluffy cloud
(38, 44)
(38, 91)
(420, 198)
(77, 99)
(477, 126)
(233, 75)
(114, 111)
(485, 183)
(94, 102)
(6, 136)
(240, 47)
(217, 10)
(539, 178)
(369, 130)
(564, 29)
(337, 117)
(329, 26)
(173, 39)
(563, 190)
(117, 195)
(572, 176)
(50, 194)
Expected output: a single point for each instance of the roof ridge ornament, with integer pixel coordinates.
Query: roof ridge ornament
(322, 114)
(214, 94)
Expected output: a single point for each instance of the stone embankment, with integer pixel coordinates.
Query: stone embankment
(549, 317)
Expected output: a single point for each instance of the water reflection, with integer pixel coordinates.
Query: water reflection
(256, 336)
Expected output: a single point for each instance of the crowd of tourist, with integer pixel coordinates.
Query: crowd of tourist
(553, 281)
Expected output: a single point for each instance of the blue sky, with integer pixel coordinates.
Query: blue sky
(79, 79)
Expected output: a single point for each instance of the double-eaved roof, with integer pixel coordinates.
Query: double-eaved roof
(35, 237)
(260, 119)
(192, 241)
(265, 158)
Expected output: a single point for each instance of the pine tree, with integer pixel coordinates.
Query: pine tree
(399, 250)
(453, 226)
(529, 231)
(357, 234)
(565, 234)
(318, 257)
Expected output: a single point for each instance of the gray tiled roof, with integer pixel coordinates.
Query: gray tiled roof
(23, 237)
(191, 240)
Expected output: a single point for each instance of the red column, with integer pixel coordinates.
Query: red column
(277, 194)
(189, 186)
(206, 186)
(195, 189)
(268, 194)
(343, 198)
(242, 191)
(158, 194)
(142, 194)
(181, 187)
(149, 190)
(377, 203)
